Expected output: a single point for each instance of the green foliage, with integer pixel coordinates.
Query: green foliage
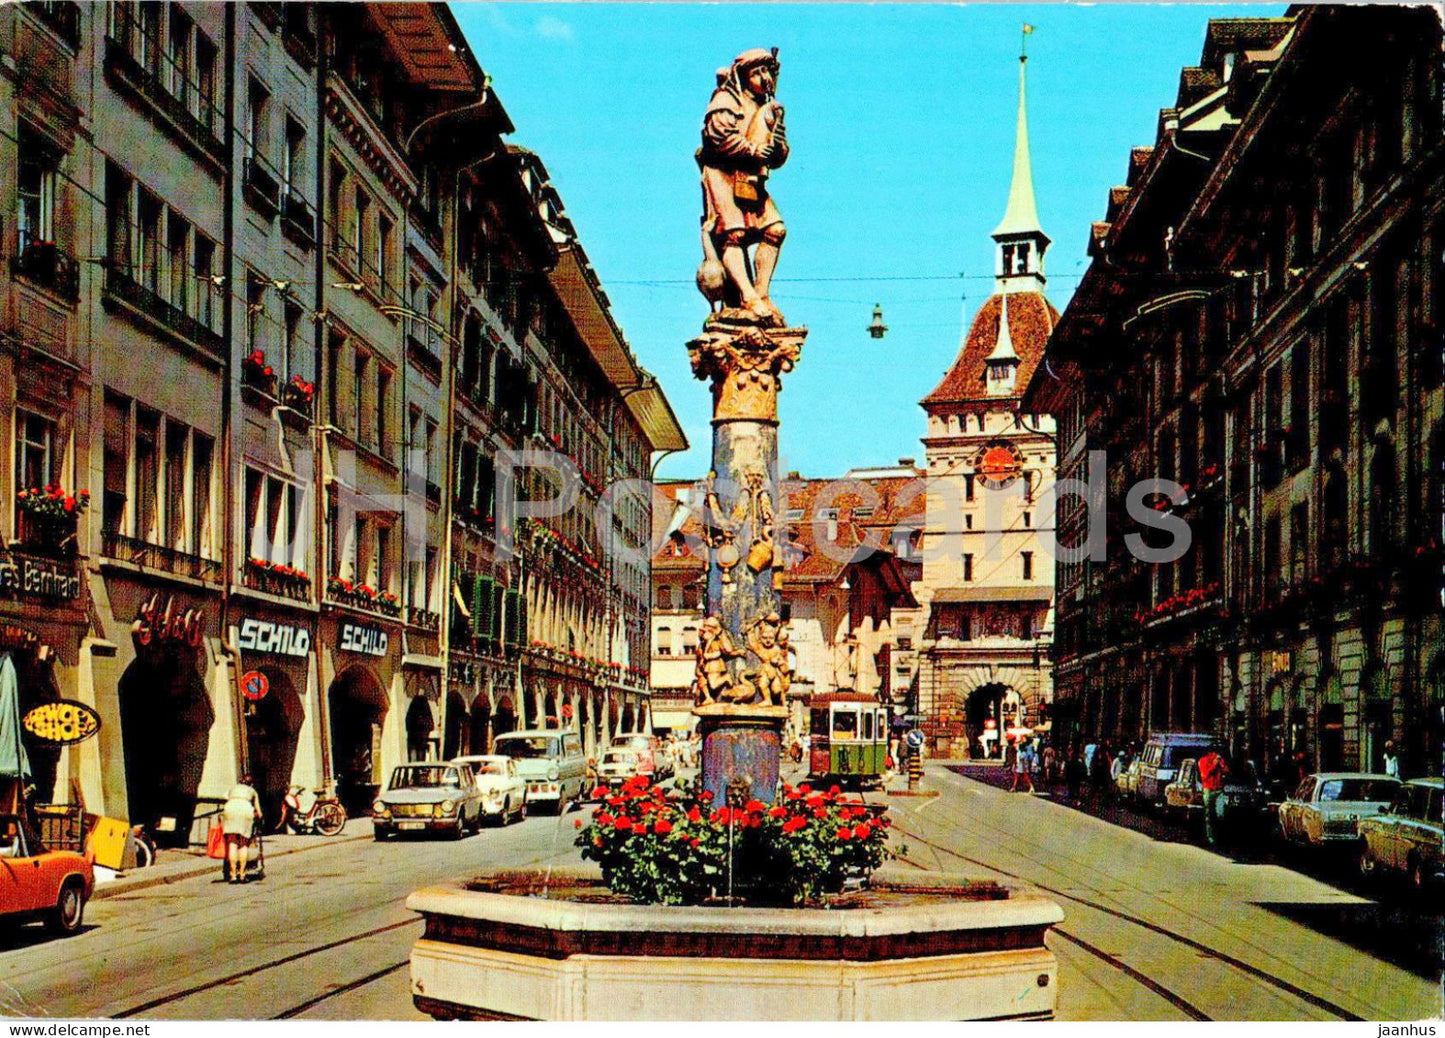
(660, 850)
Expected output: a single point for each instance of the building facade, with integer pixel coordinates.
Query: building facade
(1266, 334)
(278, 296)
(986, 590)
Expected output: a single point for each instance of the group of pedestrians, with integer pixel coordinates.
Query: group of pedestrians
(1037, 765)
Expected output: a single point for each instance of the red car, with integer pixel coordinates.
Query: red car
(36, 883)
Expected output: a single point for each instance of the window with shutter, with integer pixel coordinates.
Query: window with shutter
(482, 610)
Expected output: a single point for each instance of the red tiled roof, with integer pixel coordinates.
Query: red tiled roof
(1031, 318)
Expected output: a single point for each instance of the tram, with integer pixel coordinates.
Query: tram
(848, 738)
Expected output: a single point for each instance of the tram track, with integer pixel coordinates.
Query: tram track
(1174, 998)
(285, 960)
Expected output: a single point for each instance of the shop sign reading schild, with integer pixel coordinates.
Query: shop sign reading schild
(40, 578)
(280, 639)
(358, 638)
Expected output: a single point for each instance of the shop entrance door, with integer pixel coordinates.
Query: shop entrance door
(165, 720)
(272, 724)
(358, 708)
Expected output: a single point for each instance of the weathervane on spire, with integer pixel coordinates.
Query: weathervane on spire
(1024, 42)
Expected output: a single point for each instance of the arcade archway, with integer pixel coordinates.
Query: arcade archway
(479, 726)
(358, 706)
(272, 724)
(420, 725)
(505, 719)
(455, 742)
(165, 719)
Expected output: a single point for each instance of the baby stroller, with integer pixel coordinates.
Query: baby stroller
(256, 857)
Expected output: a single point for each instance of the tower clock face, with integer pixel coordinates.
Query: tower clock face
(999, 464)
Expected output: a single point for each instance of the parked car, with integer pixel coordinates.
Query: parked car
(1184, 797)
(617, 766)
(1327, 807)
(38, 883)
(549, 761)
(504, 792)
(428, 798)
(651, 760)
(1161, 758)
(1407, 837)
(1241, 801)
(1127, 784)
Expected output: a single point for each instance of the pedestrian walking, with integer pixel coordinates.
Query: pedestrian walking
(1022, 766)
(1392, 760)
(1075, 772)
(1051, 766)
(1213, 770)
(240, 818)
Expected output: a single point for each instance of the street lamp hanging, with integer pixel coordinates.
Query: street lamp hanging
(876, 327)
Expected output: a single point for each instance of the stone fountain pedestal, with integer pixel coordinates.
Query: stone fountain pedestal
(741, 715)
(912, 946)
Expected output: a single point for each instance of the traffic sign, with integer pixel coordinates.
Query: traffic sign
(914, 738)
(254, 685)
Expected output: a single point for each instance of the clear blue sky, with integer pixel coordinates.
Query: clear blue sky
(901, 121)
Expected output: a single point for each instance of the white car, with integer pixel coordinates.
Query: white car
(504, 792)
(1327, 808)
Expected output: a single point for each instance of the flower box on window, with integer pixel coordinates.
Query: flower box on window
(257, 374)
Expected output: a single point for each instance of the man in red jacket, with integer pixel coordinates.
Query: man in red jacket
(1213, 770)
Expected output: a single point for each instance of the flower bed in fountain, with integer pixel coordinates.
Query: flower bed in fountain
(815, 931)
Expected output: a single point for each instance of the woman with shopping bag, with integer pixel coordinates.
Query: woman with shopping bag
(239, 818)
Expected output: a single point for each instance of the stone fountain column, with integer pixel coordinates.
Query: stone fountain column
(743, 672)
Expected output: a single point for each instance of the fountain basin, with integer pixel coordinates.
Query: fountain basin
(911, 946)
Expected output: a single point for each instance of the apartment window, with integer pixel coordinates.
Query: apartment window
(35, 451)
(178, 261)
(180, 56)
(1299, 407)
(293, 170)
(360, 218)
(117, 218)
(968, 521)
(433, 459)
(36, 170)
(689, 640)
(335, 354)
(276, 520)
(203, 292)
(1027, 558)
(258, 101)
(360, 372)
(147, 471)
(149, 215)
(255, 313)
(204, 107)
(384, 560)
(1028, 520)
(383, 409)
(968, 486)
(150, 36)
(175, 460)
(335, 209)
(1299, 524)
(115, 462)
(202, 464)
(967, 567)
(383, 250)
(290, 341)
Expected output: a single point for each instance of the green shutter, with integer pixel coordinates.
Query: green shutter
(482, 609)
(501, 624)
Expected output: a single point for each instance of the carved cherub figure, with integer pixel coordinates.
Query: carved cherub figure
(713, 680)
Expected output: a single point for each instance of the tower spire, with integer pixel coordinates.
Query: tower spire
(1021, 240)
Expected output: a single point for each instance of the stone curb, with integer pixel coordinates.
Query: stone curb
(144, 879)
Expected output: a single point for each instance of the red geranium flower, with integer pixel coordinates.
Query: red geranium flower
(863, 831)
(755, 805)
(662, 827)
(694, 815)
(777, 812)
(844, 833)
(624, 823)
(795, 823)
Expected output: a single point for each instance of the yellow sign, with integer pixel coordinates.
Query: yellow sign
(107, 842)
(63, 721)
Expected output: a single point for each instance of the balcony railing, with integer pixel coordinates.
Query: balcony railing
(136, 63)
(46, 264)
(297, 217)
(159, 557)
(119, 284)
(261, 186)
(63, 16)
(296, 588)
(425, 619)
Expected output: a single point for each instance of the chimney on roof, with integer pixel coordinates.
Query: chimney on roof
(905, 463)
(794, 475)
